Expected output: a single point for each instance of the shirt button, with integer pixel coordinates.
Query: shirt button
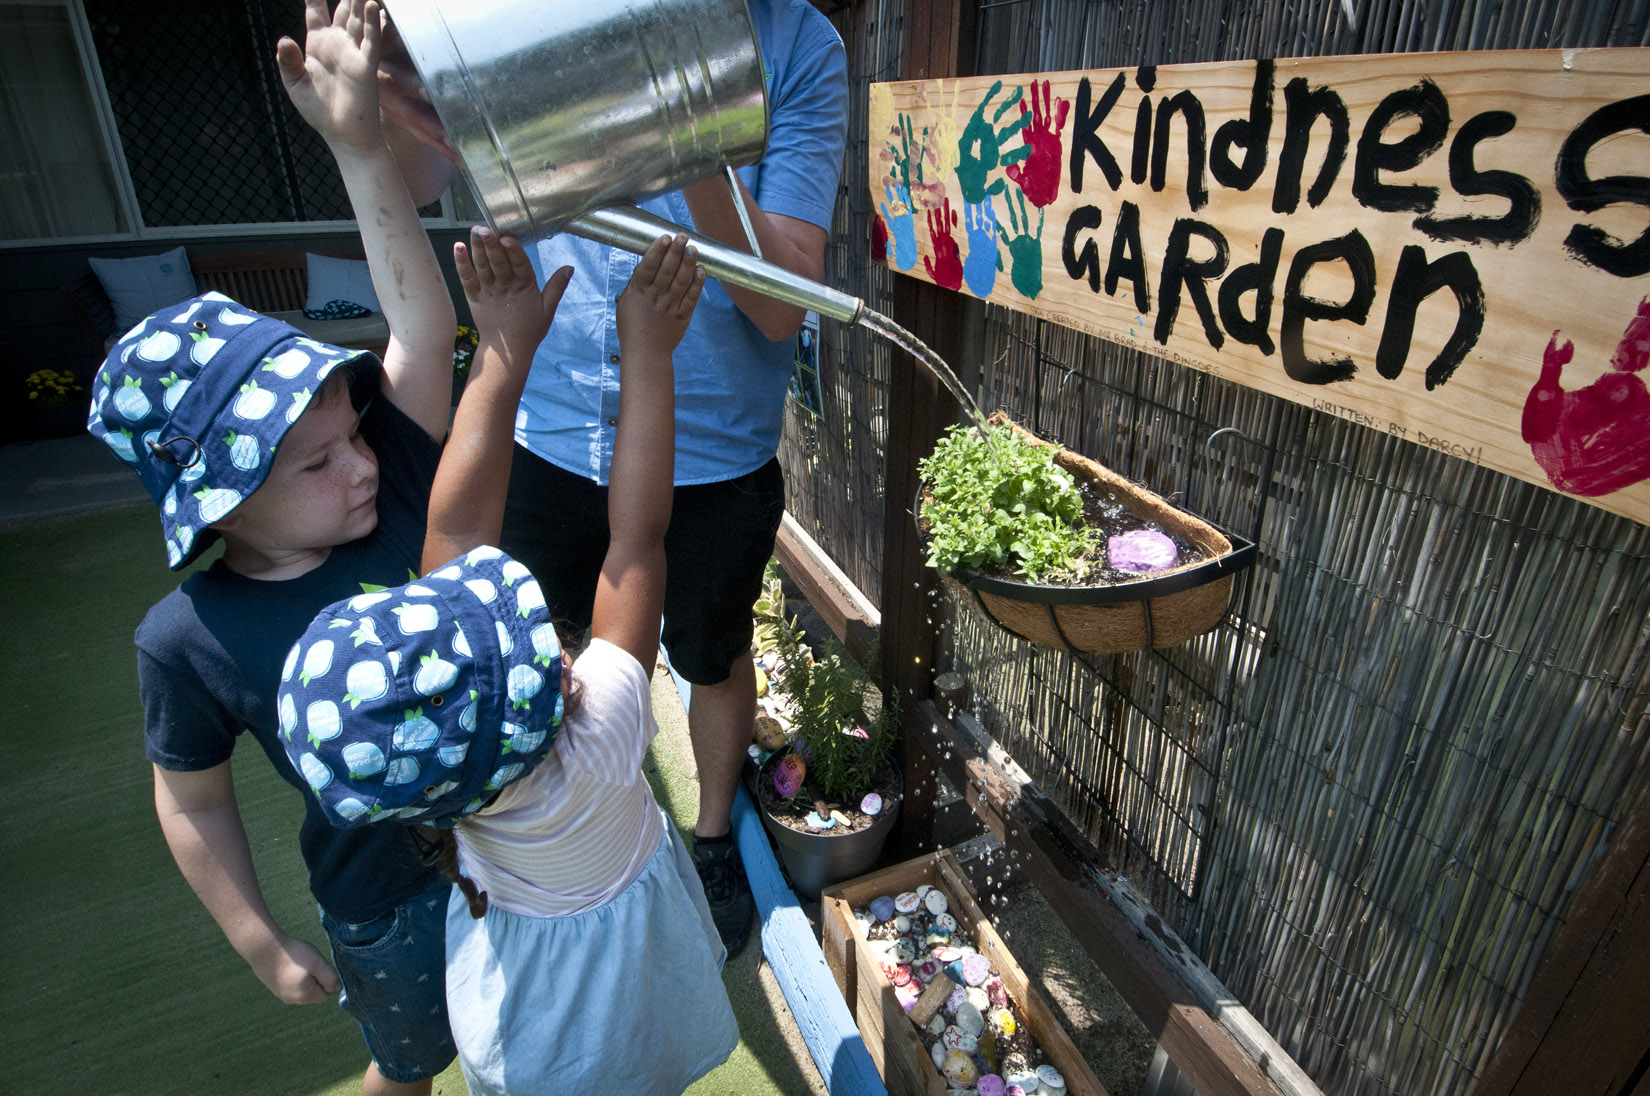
(614, 358)
(613, 421)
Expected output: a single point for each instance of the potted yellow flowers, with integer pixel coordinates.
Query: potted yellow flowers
(55, 403)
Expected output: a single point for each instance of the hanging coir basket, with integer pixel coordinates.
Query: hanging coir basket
(1163, 609)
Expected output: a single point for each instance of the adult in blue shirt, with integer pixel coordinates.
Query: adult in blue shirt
(732, 371)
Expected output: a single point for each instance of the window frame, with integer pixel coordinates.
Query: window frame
(129, 209)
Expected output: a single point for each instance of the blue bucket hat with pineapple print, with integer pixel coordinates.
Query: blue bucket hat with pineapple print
(195, 399)
(419, 702)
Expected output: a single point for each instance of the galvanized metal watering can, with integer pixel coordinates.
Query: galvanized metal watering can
(564, 113)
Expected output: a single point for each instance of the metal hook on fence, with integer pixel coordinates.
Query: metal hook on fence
(1208, 463)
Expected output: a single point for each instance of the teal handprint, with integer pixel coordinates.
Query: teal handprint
(979, 151)
(1025, 251)
(983, 262)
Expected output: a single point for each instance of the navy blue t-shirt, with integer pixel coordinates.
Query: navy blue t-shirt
(210, 655)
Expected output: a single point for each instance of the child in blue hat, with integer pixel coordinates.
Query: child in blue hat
(312, 464)
(581, 953)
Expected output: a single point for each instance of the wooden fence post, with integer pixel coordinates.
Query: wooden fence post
(939, 42)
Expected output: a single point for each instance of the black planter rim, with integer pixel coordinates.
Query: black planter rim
(1119, 593)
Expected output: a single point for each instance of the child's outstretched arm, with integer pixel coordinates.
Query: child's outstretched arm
(512, 315)
(201, 821)
(333, 81)
(653, 313)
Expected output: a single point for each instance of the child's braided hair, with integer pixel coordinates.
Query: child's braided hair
(440, 847)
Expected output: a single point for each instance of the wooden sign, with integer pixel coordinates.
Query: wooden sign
(1453, 247)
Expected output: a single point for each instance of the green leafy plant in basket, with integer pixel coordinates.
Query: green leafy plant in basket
(827, 695)
(993, 499)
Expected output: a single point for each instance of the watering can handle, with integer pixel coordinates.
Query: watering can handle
(632, 229)
(739, 205)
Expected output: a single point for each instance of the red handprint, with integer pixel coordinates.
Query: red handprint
(946, 268)
(1594, 440)
(1039, 176)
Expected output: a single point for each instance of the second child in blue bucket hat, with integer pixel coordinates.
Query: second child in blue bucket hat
(313, 465)
(581, 953)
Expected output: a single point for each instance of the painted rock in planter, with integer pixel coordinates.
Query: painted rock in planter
(1141, 552)
(788, 774)
(959, 1068)
(768, 733)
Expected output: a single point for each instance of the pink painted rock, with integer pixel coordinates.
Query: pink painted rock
(788, 774)
(1141, 552)
(906, 995)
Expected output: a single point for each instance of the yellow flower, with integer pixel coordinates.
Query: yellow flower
(56, 386)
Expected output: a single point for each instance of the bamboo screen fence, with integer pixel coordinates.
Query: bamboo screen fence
(1367, 798)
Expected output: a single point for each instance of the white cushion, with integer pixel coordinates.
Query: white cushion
(140, 285)
(339, 280)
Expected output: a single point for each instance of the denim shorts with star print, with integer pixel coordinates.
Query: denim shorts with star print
(394, 973)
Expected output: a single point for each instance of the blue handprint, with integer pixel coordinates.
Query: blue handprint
(902, 226)
(980, 268)
(1025, 251)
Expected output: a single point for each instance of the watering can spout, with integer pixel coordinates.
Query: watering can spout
(632, 229)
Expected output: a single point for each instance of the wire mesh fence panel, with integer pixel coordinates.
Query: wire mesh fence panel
(205, 145)
(1369, 795)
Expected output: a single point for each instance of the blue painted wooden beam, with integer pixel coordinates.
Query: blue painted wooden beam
(797, 963)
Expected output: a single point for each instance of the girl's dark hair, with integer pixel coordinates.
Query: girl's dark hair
(441, 847)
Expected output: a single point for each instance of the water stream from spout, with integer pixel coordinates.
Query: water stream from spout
(876, 322)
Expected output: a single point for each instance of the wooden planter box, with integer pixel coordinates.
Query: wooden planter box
(893, 1041)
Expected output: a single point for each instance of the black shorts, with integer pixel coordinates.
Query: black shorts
(718, 544)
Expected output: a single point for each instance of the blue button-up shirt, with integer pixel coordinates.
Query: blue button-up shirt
(730, 378)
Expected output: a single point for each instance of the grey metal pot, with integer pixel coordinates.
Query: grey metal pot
(564, 114)
(815, 861)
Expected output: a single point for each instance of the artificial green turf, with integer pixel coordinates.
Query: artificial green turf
(118, 983)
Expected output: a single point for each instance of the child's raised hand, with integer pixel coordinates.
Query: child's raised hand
(509, 309)
(654, 310)
(333, 80)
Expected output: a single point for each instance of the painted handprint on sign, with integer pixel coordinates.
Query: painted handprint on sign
(1025, 251)
(945, 269)
(902, 226)
(983, 262)
(898, 154)
(980, 149)
(1594, 440)
(1039, 176)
